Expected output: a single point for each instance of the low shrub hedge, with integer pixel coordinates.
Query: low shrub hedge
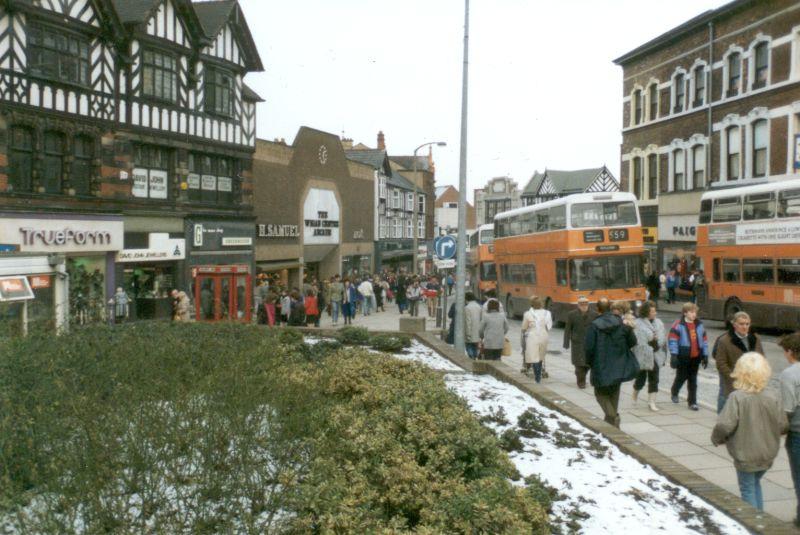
(355, 336)
(195, 428)
(389, 343)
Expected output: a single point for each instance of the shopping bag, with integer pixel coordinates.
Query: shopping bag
(506, 348)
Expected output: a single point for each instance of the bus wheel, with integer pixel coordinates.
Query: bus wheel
(732, 307)
(509, 308)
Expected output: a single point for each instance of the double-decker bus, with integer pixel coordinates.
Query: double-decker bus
(749, 243)
(588, 244)
(480, 260)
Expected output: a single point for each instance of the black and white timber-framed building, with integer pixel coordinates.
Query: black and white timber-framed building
(130, 118)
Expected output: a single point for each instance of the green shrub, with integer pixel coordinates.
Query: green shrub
(194, 428)
(353, 336)
(390, 343)
(290, 336)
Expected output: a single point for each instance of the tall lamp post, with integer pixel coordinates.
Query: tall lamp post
(462, 194)
(415, 216)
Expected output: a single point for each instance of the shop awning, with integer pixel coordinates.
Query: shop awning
(402, 253)
(316, 253)
(278, 265)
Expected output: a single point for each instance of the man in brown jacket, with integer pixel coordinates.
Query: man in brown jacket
(578, 321)
(728, 348)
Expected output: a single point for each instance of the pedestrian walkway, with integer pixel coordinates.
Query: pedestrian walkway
(675, 431)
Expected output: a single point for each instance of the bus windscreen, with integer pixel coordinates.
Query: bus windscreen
(487, 237)
(605, 272)
(488, 271)
(603, 214)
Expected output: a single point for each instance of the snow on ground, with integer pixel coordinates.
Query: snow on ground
(423, 354)
(602, 489)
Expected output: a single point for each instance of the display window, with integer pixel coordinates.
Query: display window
(223, 294)
(148, 288)
(87, 281)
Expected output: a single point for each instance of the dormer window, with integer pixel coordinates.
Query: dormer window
(159, 76)
(219, 92)
(57, 55)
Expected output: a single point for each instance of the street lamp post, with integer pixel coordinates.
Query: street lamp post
(462, 195)
(415, 207)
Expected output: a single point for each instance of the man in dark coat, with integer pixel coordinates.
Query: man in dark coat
(608, 353)
(727, 350)
(575, 327)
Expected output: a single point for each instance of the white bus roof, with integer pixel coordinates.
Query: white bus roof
(488, 226)
(570, 199)
(749, 190)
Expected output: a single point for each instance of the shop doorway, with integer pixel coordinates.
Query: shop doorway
(223, 297)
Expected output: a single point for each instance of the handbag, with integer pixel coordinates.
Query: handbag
(506, 347)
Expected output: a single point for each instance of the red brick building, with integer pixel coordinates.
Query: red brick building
(714, 102)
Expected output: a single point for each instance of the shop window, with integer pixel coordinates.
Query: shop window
(152, 165)
(57, 55)
(21, 159)
(789, 271)
(699, 86)
(789, 203)
(758, 270)
(652, 176)
(53, 162)
(81, 178)
(211, 178)
(733, 138)
(698, 166)
(734, 74)
(159, 76)
(759, 206)
(760, 138)
(148, 288)
(219, 92)
(731, 271)
(760, 65)
(653, 97)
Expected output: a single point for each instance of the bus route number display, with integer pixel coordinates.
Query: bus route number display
(618, 234)
(593, 236)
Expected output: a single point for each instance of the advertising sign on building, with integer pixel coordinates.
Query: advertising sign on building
(277, 231)
(677, 228)
(321, 217)
(62, 235)
(15, 289)
(215, 235)
(209, 183)
(158, 184)
(160, 248)
(139, 185)
(778, 232)
(150, 183)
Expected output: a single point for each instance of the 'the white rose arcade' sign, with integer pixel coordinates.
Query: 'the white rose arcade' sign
(321, 217)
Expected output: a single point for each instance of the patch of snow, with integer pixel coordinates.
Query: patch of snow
(421, 353)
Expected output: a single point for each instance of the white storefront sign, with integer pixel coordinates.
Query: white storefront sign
(150, 183)
(236, 242)
(225, 183)
(677, 228)
(160, 248)
(321, 217)
(209, 183)
(62, 235)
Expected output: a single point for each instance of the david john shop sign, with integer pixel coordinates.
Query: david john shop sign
(66, 235)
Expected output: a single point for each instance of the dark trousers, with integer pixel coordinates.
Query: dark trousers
(608, 399)
(492, 354)
(650, 376)
(580, 375)
(687, 371)
(793, 449)
(670, 295)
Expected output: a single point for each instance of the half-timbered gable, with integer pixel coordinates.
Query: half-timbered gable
(553, 184)
(81, 10)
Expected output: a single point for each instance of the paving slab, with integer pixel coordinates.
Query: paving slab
(671, 449)
(702, 461)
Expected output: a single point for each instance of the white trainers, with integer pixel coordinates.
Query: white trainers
(651, 401)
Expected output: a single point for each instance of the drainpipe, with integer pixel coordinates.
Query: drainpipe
(710, 125)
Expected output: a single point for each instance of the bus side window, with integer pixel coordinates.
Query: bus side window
(789, 203)
(705, 211)
(527, 224)
(731, 271)
(758, 270)
(789, 271)
(561, 272)
(531, 274)
(759, 206)
(541, 221)
(727, 209)
(558, 217)
(716, 270)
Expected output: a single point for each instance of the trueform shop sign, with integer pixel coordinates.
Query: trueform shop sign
(64, 235)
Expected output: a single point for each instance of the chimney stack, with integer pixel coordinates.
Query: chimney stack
(381, 141)
(347, 143)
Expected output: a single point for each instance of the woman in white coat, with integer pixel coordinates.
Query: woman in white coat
(536, 325)
(650, 351)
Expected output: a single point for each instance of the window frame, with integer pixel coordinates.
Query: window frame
(162, 69)
(16, 152)
(55, 158)
(638, 178)
(653, 97)
(62, 53)
(679, 92)
(756, 150)
(734, 82)
(82, 160)
(638, 107)
(698, 172)
(699, 96)
(652, 176)
(761, 72)
(214, 88)
(675, 170)
(730, 154)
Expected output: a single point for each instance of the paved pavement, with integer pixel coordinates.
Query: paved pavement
(675, 431)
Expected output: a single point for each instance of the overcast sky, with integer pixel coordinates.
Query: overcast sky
(543, 91)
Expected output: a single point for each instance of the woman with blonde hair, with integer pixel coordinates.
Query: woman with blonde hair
(750, 412)
(536, 324)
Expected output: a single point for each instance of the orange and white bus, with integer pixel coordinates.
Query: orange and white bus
(749, 243)
(480, 260)
(588, 244)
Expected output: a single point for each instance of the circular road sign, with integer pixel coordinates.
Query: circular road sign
(445, 247)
